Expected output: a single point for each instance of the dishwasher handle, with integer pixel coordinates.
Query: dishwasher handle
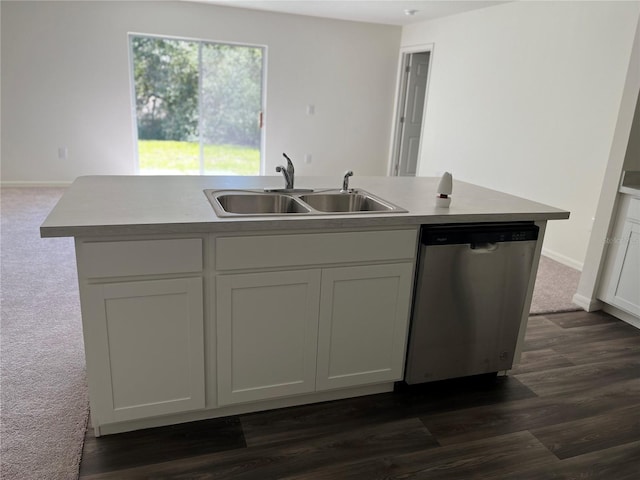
(484, 246)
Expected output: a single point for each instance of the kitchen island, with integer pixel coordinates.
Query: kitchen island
(189, 315)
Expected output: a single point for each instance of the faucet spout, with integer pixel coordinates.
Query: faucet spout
(345, 181)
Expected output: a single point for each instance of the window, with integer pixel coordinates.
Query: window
(198, 106)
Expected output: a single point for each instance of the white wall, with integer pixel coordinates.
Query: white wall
(65, 82)
(524, 98)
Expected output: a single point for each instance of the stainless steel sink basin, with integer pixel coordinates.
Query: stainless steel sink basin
(346, 202)
(230, 203)
(257, 203)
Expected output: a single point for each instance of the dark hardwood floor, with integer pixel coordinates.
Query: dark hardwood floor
(570, 410)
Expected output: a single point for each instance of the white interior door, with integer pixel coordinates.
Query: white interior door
(412, 109)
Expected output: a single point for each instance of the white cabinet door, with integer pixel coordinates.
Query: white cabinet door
(145, 348)
(624, 288)
(267, 326)
(364, 315)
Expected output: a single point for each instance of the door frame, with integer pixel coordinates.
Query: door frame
(394, 144)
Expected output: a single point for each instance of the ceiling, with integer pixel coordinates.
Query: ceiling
(390, 12)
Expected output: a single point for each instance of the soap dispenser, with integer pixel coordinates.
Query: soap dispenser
(443, 200)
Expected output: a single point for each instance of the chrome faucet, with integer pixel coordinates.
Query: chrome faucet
(287, 172)
(345, 181)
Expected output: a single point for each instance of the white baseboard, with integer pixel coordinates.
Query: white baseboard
(586, 303)
(34, 184)
(563, 259)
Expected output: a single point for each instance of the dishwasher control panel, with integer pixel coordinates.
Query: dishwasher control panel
(479, 233)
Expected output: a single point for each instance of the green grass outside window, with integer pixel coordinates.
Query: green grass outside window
(166, 157)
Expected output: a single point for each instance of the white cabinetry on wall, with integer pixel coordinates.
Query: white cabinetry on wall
(314, 325)
(622, 284)
(142, 308)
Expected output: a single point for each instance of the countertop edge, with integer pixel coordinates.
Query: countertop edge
(633, 191)
(279, 223)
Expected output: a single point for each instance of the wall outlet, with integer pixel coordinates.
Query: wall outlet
(307, 158)
(311, 109)
(63, 153)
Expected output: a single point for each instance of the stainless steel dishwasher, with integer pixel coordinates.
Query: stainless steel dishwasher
(470, 291)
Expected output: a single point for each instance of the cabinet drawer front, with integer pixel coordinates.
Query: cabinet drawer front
(140, 257)
(267, 251)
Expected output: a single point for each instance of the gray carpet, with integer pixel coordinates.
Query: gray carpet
(44, 395)
(555, 286)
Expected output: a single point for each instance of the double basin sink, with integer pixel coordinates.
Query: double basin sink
(229, 203)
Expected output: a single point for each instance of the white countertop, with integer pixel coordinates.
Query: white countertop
(132, 205)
